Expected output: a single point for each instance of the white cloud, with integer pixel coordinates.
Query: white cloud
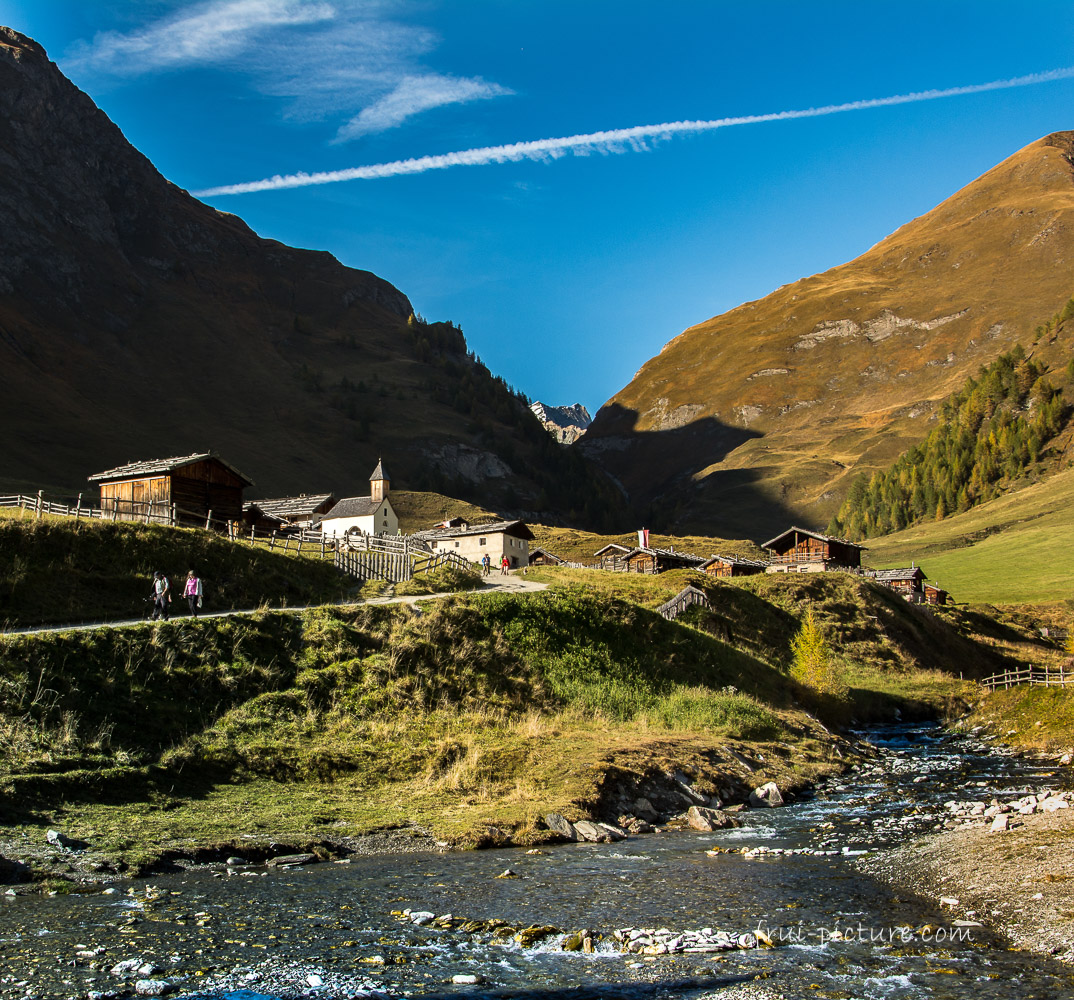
(413, 95)
(610, 141)
(210, 33)
(326, 58)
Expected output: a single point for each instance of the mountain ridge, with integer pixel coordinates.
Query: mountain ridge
(136, 321)
(787, 397)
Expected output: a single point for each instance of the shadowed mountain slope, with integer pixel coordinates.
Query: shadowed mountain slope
(137, 322)
(840, 372)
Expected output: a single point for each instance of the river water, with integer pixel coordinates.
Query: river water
(328, 930)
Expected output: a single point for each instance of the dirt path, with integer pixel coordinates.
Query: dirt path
(494, 584)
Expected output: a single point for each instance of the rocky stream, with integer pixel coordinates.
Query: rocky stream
(779, 906)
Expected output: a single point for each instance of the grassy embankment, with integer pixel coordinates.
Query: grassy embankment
(60, 570)
(1009, 559)
(575, 545)
(471, 716)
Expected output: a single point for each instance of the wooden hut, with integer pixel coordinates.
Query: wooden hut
(611, 556)
(183, 490)
(907, 582)
(542, 557)
(652, 560)
(935, 594)
(798, 550)
(725, 566)
(287, 512)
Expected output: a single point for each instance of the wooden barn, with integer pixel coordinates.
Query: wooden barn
(287, 512)
(907, 582)
(724, 566)
(799, 550)
(651, 560)
(174, 490)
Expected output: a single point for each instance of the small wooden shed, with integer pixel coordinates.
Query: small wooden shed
(542, 557)
(184, 490)
(802, 550)
(725, 566)
(652, 560)
(905, 581)
(935, 594)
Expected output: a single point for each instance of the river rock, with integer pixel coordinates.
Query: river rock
(13, 871)
(1000, 823)
(152, 987)
(767, 795)
(293, 859)
(466, 979)
(704, 818)
(644, 808)
(58, 839)
(127, 967)
(593, 832)
(1052, 804)
(561, 825)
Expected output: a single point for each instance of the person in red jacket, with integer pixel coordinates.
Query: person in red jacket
(504, 564)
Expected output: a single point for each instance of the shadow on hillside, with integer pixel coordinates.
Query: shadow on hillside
(658, 469)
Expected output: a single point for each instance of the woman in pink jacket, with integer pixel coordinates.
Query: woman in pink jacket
(192, 592)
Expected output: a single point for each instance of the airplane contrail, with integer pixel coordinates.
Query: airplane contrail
(609, 141)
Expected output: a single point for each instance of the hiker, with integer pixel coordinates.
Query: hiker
(486, 565)
(192, 592)
(505, 562)
(161, 595)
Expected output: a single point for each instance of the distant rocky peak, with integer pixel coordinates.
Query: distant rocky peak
(565, 423)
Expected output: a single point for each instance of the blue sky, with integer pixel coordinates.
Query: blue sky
(567, 272)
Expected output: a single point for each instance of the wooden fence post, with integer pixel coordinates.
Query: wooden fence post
(40, 503)
(272, 540)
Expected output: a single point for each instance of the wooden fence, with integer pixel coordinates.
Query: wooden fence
(681, 601)
(1037, 676)
(393, 567)
(393, 558)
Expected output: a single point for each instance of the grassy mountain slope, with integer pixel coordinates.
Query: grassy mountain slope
(764, 414)
(137, 322)
(1012, 550)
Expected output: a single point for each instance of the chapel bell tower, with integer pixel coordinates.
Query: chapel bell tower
(379, 483)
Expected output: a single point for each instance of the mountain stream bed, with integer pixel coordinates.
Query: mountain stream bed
(673, 914)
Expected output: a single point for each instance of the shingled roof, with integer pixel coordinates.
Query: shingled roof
(380, 472)
(287, 508)
(353, 507)
(157, 466)
(906, 573)
(734, 561)
(687, 557)
(812, 534)
(516, 528)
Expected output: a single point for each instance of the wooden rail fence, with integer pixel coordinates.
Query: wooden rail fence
(1038, 676)
(393, 558)
(684, 599)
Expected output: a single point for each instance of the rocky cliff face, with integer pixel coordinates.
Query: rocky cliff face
(565, 423)
(762, 415)
(138, 322)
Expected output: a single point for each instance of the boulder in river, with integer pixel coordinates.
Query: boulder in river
(766, 796)
(293, 859)
(561, 825)
(704, 818)
(597, 833)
